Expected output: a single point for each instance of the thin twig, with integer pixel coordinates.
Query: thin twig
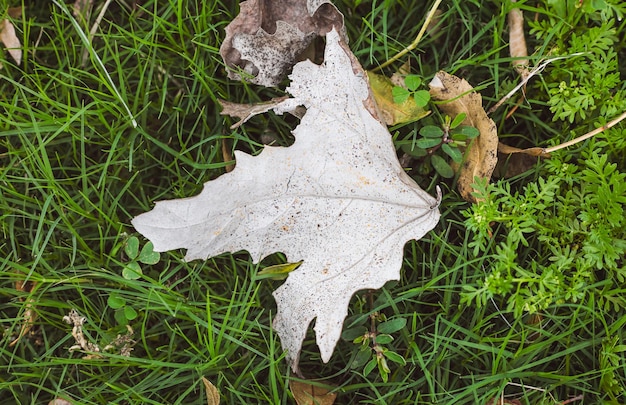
(533, 72)
(417, 40)
(524, 386)
(577, 398)
(587, 135)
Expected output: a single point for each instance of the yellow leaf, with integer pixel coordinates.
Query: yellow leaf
(278, 271)
(393, 113)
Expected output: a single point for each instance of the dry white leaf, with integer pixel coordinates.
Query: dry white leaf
(337, 199)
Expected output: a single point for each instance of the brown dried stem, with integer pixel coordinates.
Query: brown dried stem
(587, 135)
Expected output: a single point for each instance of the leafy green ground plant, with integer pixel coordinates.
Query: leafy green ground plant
(74, 170)
(588, 88)
(448, 138)
(372, 351)
(574, 217)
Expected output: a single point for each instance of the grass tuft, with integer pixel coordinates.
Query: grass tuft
(87, 143)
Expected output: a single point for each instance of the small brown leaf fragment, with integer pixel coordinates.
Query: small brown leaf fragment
(501, 401)
(212, 394)
(82, 8)
(397, 79)
(513, 161)
(267, 36)
(14, 12)
(309, 394)
(10, 40)
(482, 154)
(29, 316)
(227, 156)
(247, 111)
(434, 27)
(512, 165)
(59, 401)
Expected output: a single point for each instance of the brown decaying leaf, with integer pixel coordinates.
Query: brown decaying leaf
(14, 12)
(227, 156)
(481, 155)
(267, 36)
(212, 394)
(309, 394)
(10, 40)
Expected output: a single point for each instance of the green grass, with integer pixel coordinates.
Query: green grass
(74, 170)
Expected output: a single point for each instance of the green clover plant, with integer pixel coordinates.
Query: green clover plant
(132, 269)
(412, 83)
(133, 258)
(124, 313)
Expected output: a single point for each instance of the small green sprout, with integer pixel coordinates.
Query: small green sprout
(373, 351)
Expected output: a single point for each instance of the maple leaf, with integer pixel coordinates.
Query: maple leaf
(337, 199)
